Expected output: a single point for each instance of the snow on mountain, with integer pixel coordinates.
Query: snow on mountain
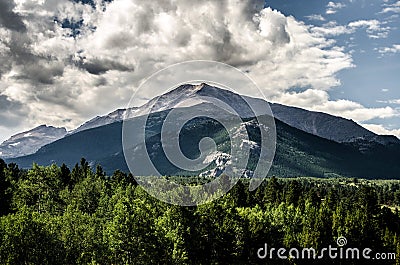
(166, 101)
(183, 96)
(98, 121)
(29, 142)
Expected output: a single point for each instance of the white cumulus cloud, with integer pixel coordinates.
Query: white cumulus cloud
(316, 17)
(374, 28)
(392, 101)
(391, 8)
(381, 130)
(395, 48)
(333, 7)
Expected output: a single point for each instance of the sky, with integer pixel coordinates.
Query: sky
(64, 62)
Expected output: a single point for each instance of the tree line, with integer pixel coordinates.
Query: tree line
(58, 215)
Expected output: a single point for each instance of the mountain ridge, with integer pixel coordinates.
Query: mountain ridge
(318, 123)
(28, 142)
(285, 114)
(298, 153)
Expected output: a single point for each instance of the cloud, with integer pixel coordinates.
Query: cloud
(8, 18)
(353, 110)
(11, 112)
(374, 28)
(98, 66)
(381, 130)
(318, 100)
(315, 17)
(333, 7)
(394, 49)
(391, 8)
(63, 75)
(392, 101)
(332, 29)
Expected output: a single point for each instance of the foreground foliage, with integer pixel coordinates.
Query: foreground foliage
(54, 215)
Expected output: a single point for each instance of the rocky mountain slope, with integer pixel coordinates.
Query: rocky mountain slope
(29, 142)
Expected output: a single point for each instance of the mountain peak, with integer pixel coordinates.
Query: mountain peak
(186, 89)
(189, 89)
(321, 124)
(190, 95)
(200, 86)
(30, 141)
(47, 127)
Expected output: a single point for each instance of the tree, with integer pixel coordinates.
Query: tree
(87, 193)
(27, 240)
(5, 192)
(39, 189)
(65, 175)
(272, 191)
(239, 193)
(130, 234)
(293, 193)
(174, 231)
(81, 234)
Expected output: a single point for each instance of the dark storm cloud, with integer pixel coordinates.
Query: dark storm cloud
(34, 68)
(10, 112)
(18, 44)
(8, 18)
(253, 7)
(42, 71)
(100, 66)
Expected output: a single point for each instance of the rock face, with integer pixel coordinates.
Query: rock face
(29, 142)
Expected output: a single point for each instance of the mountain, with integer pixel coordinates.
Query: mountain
(189, 93)
(328, 126)
(298, 153)
(321, 124)
(29, 142)
(98, 121)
